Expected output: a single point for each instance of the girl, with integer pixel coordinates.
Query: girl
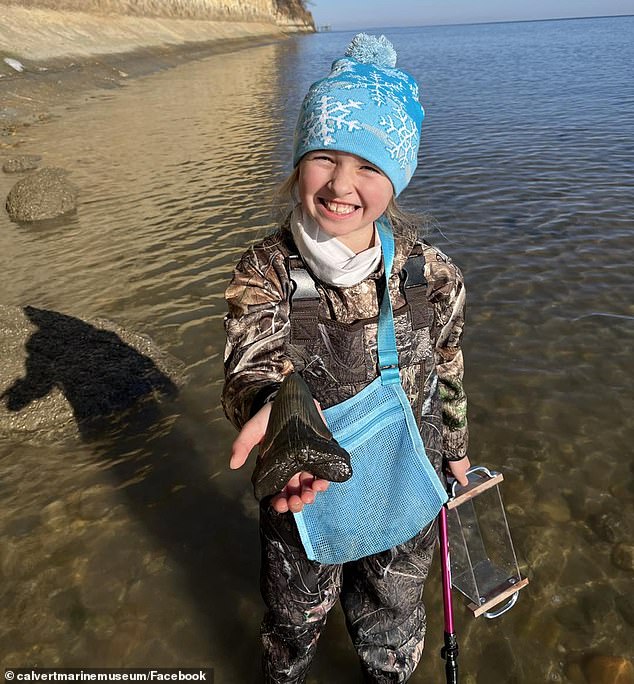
(314, 298)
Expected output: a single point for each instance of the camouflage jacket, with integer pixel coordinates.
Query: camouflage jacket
(259, 353)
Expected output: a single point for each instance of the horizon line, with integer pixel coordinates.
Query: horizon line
(475, 23)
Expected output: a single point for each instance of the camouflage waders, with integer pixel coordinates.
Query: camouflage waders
(381, 595)
(330, 338)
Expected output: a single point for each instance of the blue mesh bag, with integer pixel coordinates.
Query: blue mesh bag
(394, 491)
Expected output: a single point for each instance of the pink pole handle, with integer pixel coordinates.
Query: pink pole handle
(446, 570)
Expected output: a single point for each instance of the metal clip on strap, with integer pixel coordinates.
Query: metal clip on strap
(304, 301)
(303, 284)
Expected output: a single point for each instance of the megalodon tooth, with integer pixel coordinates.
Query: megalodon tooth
(296, 440)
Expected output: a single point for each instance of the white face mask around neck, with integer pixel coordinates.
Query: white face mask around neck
(328, 258)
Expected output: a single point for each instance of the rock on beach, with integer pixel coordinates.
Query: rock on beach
(623, 556)
(44, 194)
(25, 162)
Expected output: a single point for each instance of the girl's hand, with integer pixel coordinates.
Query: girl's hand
(459, 470)
(251, 435)
(300, 489)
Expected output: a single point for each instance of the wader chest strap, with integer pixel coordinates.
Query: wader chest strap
(415, 289)
(304, 301)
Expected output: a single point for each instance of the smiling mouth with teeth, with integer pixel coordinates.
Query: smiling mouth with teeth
(339, 208)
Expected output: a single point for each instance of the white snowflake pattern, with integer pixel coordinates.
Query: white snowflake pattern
(408, 80)
(380, 89)
(402, 136)
(330, 115)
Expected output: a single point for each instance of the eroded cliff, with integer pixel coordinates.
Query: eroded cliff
(290, 14)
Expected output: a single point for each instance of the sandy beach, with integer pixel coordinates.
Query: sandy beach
(48, 57)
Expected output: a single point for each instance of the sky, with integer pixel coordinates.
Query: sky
(351, 14)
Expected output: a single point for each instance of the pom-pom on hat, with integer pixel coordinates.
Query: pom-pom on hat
(365, 106)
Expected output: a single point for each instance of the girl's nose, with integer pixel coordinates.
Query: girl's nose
(341, 181)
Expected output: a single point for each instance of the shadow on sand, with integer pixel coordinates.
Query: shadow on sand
(164, 479)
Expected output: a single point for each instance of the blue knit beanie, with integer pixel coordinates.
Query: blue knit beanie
(367, 107)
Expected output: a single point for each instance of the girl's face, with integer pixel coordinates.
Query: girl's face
(345, 194)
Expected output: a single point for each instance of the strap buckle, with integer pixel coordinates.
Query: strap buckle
(414, 270)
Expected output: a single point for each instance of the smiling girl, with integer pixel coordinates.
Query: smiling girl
(317, 298)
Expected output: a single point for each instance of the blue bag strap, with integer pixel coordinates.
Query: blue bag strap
(386, 339)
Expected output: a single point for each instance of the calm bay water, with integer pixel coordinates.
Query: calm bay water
(142, 548)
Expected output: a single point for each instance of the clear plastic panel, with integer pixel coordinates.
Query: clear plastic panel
(483, 561)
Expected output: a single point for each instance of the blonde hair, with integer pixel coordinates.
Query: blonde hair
(285, 200)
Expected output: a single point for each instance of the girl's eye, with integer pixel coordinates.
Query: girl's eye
(370, 168)
(322, 157)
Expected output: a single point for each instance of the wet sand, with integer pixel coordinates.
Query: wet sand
(66, 54)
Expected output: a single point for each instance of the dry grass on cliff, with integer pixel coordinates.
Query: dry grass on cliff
(222, 10)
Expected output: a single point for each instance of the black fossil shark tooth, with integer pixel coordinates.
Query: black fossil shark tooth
(297, 440)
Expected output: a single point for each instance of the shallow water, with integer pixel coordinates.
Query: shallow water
(141, 548)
